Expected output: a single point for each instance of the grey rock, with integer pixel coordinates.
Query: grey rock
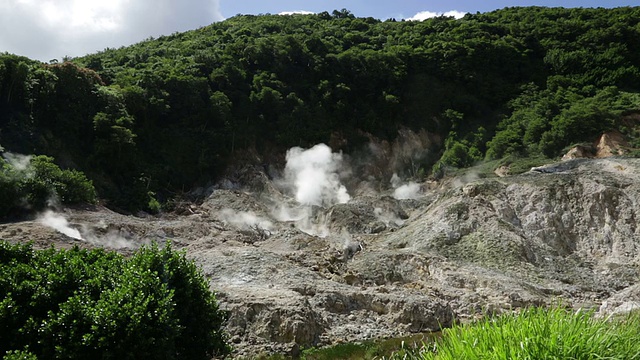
(565, 233)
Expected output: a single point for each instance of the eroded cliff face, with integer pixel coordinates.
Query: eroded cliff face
(562, 233)
(583, 213)
(377, 266)
(567, 233)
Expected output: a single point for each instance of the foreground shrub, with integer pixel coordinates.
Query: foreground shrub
(79, 304)
(537, 334)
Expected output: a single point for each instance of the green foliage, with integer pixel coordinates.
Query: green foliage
(45, 180)
(10, 193)
(19, 355)
(154, 205)
(544, 122)
(583, 120)
(41, 181)
(537, 333)
(79, 304)
(371, 349)
(460, 153)
(519, 165)
(174, 109)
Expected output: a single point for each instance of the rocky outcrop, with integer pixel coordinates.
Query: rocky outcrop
(563, 232)
(383, 267)
(611, 143)
(579, 152)
(621, 303)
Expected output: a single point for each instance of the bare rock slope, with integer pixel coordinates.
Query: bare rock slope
(378, 267)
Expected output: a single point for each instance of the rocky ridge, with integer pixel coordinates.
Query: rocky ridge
(380, 267)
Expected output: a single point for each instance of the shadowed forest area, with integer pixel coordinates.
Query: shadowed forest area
(165, 115)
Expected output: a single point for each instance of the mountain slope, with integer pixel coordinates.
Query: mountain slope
(171, 113)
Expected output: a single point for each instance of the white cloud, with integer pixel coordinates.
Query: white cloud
(302, 12)
(48, 29)
(423, 15)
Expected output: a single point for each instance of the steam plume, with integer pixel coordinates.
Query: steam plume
(410, 190)
(303, 219)
(314, 176)
(245, 220)
(407, 191)
(59, 223)
(111, 239)
(18, 161)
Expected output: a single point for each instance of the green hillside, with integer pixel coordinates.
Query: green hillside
(165, 115)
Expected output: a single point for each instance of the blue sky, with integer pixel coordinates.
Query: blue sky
(51, 29)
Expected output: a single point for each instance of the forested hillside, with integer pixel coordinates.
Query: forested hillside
(166, 114)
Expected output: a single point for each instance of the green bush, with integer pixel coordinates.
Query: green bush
(154, 205)
(19, 355)
(9, 191)
(40, 182)
(47, 179)
(79, 304)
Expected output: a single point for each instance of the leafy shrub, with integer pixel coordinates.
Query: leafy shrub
(505, 142)
(154, 205)
(79, 304)
(9, 191)
(48, 179)
(544, 122)
(19, 355)
(460, 155)
(41, 181)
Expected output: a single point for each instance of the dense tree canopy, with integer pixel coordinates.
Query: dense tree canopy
(167, 113)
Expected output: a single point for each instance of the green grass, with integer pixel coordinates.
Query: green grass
(519, 165)
(366, 350)
(536, 333)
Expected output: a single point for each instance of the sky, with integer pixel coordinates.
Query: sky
(52, 29)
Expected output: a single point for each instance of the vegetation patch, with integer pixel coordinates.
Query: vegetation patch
(519, 165)
(80, 304)
(536, 333)
(30, 182)
(366, 350)
(169, 114)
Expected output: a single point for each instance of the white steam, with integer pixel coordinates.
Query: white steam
(463, 180)
(245, 220)
(387, 217)
(59, 223)
(410, 190)
(114, 239)
(303, 219)
(18, 161)
(314, 176)
(101, 235)
(407, 191)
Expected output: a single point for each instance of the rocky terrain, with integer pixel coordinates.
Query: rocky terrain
(382, 264)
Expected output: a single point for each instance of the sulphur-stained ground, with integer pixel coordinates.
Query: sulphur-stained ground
(381, 264)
